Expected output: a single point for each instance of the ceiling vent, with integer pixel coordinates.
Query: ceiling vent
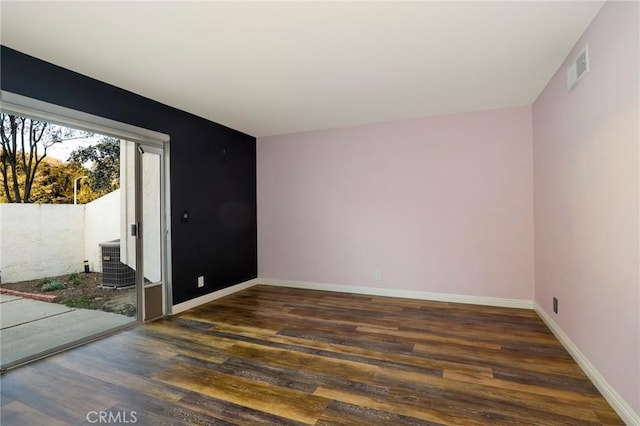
(578, 68)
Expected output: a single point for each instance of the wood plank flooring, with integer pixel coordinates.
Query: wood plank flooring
(282, 356)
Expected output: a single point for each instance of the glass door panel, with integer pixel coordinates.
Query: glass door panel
(152, 233)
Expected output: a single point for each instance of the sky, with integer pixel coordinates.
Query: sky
(61, 151)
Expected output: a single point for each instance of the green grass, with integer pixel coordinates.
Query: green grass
(83, 302)
(74, 279)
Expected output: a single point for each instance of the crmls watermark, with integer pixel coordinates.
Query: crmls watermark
(112, 417)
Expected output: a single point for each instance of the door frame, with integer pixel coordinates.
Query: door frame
(29, 107)
(141, 285)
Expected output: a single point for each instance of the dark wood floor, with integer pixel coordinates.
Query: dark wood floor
(271, 355)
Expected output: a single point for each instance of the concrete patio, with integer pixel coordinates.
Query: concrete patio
(31, 328)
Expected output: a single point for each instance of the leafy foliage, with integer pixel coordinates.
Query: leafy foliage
(104, 174)
(23, 149)
(29, 176)
(49, 284)
(54, 184)
(46, 280)
(74, 279)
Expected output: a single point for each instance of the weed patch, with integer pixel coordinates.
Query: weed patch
(83, 302)
(74, 279)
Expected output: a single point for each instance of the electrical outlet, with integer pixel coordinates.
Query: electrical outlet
(201, 281)
(555, 305)
(378, 276)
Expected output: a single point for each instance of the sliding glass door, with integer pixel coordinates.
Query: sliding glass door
(105, 235)
(152, 234)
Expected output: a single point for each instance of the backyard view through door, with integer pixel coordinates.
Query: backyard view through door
(68, 256)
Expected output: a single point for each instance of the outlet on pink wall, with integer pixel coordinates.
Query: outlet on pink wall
(586, 149)
(445, 204)
(435, 204)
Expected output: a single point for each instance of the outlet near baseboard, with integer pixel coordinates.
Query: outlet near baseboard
(201, 281)
(555, 305)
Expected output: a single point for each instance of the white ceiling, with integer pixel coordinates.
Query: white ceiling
(269, 68)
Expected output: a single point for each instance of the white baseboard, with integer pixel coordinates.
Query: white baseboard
(189, 304)
(621, 407)
(407, 294)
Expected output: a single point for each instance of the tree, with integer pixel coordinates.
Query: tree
(104, 157)
(24, 147)
(54, 184)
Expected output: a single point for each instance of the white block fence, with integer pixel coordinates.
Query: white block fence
(45, 240)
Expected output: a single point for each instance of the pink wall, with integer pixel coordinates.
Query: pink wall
(587, 197)
(437, 204)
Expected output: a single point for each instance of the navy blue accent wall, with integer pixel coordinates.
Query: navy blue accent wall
(213, 171)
